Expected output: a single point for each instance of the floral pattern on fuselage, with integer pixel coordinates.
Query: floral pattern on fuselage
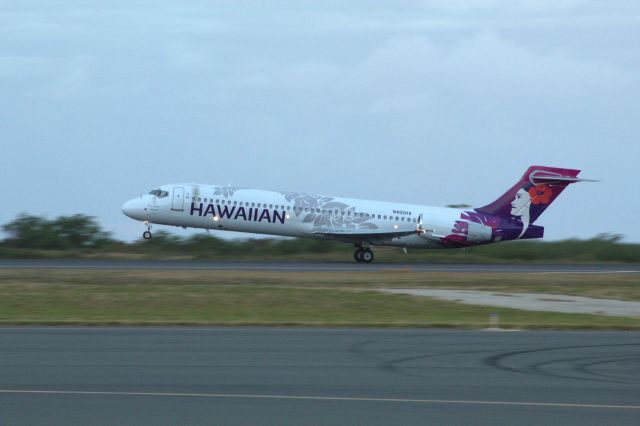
(326, 212)
(225, 191)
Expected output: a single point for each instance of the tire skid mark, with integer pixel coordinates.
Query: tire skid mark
(538, 369)
(585, 368)
(499, 361)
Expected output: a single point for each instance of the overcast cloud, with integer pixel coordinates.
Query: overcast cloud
(433, 102)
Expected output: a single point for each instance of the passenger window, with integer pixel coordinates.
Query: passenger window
(253, 204)
(235, 203)
(378, 216)
(217, 201)
(402, 218)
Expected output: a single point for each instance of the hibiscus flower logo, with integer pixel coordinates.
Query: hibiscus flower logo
(540, 194)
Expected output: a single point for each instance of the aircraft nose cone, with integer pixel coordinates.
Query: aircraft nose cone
(134, 209)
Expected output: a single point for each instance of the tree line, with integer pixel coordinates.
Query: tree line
(82, 232)
(32, 236)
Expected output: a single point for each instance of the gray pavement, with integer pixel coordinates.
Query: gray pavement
(271, 376)
(313, 266)
(528, 301)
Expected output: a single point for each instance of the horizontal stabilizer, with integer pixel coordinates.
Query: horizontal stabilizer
(542, 176)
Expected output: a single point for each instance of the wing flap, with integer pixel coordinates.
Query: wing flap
(364, 235)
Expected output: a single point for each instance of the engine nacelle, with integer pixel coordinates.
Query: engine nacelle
(478, 232)
(460, 230)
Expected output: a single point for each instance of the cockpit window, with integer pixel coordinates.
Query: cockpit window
(159, 193)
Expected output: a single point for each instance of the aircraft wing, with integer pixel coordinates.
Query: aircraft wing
(365, 234)
(370, 235)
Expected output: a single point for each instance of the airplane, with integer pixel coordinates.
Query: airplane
(364, 223)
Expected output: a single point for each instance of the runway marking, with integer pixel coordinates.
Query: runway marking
(323, 398)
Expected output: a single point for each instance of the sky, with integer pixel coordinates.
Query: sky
(431, 102)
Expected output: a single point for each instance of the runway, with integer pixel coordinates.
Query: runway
(231, 265)
(277, 376)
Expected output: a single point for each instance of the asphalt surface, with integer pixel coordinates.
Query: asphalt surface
(271, 376)
(313, 266)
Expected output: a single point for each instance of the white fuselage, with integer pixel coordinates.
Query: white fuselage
(292, 214)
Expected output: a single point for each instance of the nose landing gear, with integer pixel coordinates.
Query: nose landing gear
(363, 254)
(147, 234)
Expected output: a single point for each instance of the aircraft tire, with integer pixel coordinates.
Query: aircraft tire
(366, 256)
(357, 255)
(146, 235)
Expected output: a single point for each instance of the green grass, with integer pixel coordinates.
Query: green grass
(277, 298)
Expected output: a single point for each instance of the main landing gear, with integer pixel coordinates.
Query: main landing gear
(147, 234)
(363, 254)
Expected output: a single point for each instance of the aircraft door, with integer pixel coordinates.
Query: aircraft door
(178, 198)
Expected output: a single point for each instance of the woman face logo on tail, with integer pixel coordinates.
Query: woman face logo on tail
(520, 207)
(526, 197)
(520, 204)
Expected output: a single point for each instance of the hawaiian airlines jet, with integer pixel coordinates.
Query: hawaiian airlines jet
(363, 223)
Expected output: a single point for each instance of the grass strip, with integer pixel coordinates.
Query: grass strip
(290, 298)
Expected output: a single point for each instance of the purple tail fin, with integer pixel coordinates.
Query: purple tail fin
(532, 194)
